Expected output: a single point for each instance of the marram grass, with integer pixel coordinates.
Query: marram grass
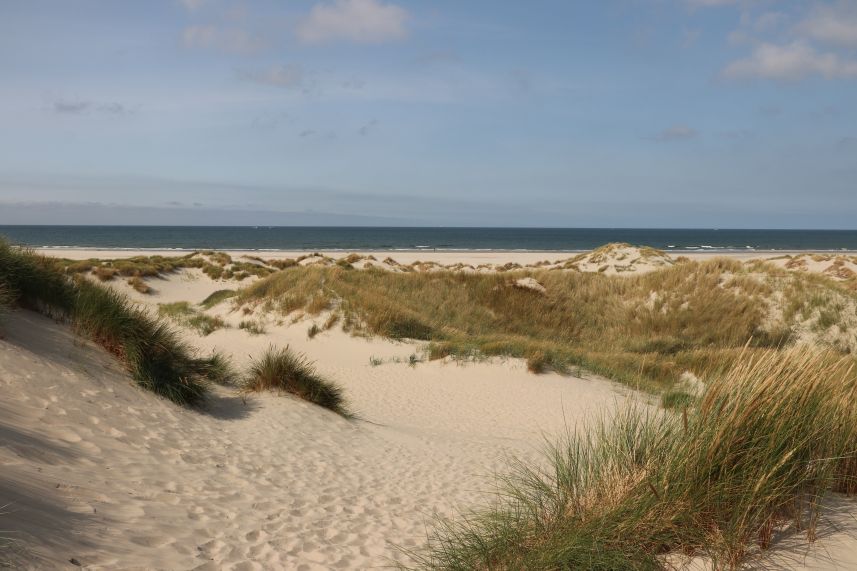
(290, 372)
(151, 351)
(765, 443)
(643, 330)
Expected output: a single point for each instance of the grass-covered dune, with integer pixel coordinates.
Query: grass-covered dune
(646, 330)
(152, 352)
(758, 450)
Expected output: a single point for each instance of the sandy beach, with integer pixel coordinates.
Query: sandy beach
(103, 475)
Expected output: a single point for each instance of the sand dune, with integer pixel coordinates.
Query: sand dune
(102, 472)
(96, 470)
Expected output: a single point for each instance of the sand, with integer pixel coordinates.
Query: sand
(96, 470)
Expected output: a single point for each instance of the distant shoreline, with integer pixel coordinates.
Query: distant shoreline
(459, 241)
(411, 256)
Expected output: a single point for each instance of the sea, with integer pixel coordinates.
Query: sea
(329, 238)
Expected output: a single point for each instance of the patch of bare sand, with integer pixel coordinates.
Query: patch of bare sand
(98, 470)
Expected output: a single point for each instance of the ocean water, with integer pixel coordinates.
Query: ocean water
(440, 239)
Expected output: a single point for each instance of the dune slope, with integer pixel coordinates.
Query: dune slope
(97, 470)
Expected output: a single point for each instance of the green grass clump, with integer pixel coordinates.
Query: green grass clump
(153, 354)
(252, 327)
(283, 370)
(217, 297)
(186, 315)
(766, 441)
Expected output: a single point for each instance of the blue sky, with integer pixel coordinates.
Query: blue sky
(635, 113)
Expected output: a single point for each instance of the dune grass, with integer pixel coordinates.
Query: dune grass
(153, 354)
(183, 313)
(139, 285)
(216, 265)
(217, 297)
(766, 441)
(252, 327)
(286, 371)
(643, 330)
(5, 298)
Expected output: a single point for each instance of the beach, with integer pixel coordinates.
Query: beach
(107, 476)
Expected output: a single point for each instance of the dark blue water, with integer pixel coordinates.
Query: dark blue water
(452, 239)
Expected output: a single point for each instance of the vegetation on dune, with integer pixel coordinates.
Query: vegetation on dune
(759, 450)
(139, 285)
(5, 298)
(188, 316)
(153, 354)
(252, 327)
(217, 297)
(645, 330)
(216, 265)
(286, 371)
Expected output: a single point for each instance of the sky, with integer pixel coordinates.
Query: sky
(557, 113)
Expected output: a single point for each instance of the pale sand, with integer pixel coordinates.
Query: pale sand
(98, 470)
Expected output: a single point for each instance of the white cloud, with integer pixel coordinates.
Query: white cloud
(676, 133)
(226, 39)
(793, 61)
(361, 21)
(832, 24)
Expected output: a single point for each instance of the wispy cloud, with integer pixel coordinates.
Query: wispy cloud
(236, 40)
(834, 24)
(192, 5)
(794, 61)
(289, 76)
(360, 21)
(365, 129)
(81, 107)
(676, 133)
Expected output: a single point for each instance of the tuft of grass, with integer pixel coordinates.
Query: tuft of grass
(375, 361)
(152, 352)
(767, 440)
(220, 369)
(538, 363)
(252, 327)
(139, 285)
(104, 273)
(313, 330)
(186, 315)
(286, 371)
(676, 399)
(217, 297)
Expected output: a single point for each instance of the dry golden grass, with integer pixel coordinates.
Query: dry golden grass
(645, 330)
